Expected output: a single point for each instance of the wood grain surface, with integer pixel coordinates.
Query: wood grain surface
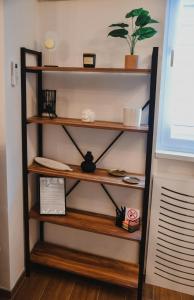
(78, 123)
(33, 289)
(87, 221)
(47, 284)
(60, 289)
(88, 70)
(99, 176)
(88, 265)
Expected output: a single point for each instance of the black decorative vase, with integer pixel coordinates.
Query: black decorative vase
(88, 165)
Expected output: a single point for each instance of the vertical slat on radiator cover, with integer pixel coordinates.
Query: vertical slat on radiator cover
(170, 262)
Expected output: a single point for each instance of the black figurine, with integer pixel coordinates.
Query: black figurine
(88, 165)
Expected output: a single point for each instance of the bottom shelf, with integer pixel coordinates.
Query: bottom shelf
(88, 265)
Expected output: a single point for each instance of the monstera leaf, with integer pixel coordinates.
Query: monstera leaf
(122, 25)
(144, 33)
(139, 20)
(144, 20)
(153, 21)
(136, 12)
(118, 33)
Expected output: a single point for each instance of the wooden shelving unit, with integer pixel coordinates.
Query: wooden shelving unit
(78, 123)
(87, 221)
(85, 264)
(100, 176)
(87, 70)
(109, 270)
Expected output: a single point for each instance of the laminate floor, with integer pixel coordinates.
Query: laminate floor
(45, 284)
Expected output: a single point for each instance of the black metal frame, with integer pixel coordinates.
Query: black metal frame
(148, 166)
(150, 102)
(96, 161)
(24, 52)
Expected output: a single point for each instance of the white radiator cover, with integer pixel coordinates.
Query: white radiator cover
(170, 262)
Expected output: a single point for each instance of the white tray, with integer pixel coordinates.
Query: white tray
(52, 164)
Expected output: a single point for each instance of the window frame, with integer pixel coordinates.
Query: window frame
(164, 140)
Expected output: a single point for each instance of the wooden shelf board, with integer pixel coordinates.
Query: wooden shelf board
(87, 221)
(100, 176)
(78, 123)
(85, 264)
(88, 70)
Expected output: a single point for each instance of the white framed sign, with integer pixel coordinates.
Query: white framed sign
(52, 196)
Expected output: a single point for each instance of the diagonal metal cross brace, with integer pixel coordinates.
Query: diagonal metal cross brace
(96, 161)
(111, 144)
(109, 196)
(73, 141)
(72, 188)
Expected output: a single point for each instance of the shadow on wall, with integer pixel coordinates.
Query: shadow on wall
(4, 235)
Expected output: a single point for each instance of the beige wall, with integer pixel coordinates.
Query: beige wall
(105, 94)
(4, 241)
(19, 29)
(78, 27)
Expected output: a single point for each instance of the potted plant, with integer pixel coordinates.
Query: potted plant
(137, 30)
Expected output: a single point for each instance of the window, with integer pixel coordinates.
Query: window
(176, 124)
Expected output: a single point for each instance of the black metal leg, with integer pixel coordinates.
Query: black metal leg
(24, 163)
(40, 129)
(25, 51)
(147, 172)
(41, 230)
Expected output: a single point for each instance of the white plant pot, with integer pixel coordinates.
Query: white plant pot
(132, 116)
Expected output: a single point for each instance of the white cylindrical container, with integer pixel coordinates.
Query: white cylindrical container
(132, 116)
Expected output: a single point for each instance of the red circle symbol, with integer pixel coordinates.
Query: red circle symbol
(132, 214)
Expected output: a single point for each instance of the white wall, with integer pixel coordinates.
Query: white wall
(82, 26)
(78, 27)
(4, 240)
(20, 29)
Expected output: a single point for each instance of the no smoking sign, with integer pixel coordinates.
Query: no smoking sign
(131, 214)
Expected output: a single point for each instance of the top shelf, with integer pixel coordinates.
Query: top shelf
(88, 70)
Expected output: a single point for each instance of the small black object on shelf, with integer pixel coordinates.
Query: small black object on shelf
(120, 216)
(89, 60)
(88, 165)
(48, 103)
